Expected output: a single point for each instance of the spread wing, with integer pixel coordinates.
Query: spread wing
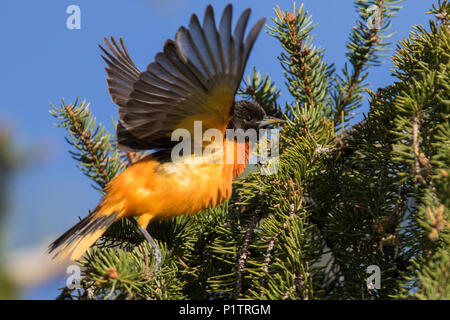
(195, 78)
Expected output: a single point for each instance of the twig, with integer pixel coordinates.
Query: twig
(245, 253)
(299, 55)
(87, 142)
(354, 80)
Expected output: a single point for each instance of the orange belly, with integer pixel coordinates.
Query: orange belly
(161, 190)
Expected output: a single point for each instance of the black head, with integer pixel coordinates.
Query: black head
(246, 115)
(249, 115)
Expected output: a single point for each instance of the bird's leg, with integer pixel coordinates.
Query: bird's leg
(148, 237)
(156, 250)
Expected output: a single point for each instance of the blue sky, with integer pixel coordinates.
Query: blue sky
(43, 61)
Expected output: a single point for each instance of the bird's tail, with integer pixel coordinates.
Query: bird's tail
(82, 236)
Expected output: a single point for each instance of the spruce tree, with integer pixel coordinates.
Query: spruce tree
(346, 196)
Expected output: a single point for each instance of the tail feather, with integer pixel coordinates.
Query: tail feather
(82, 236)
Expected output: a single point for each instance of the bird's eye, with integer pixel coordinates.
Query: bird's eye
(249, 118)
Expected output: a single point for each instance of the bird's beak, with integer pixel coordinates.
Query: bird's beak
(267, 121)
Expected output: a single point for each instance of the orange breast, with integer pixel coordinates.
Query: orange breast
(169, 189)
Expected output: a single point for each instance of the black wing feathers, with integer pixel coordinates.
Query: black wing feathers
(203, 64)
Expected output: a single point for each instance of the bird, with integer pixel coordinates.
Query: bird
(194, 79)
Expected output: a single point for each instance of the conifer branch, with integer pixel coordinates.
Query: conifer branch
(305, 71)
(262, 90)
(366, 41)
(95, 156)
(298, 52)
(363, 57)
(416, 147)
(243, 256)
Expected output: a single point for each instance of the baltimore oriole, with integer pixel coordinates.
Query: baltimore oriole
(195, 78)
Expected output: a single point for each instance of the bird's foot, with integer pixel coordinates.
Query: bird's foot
(148, 237)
